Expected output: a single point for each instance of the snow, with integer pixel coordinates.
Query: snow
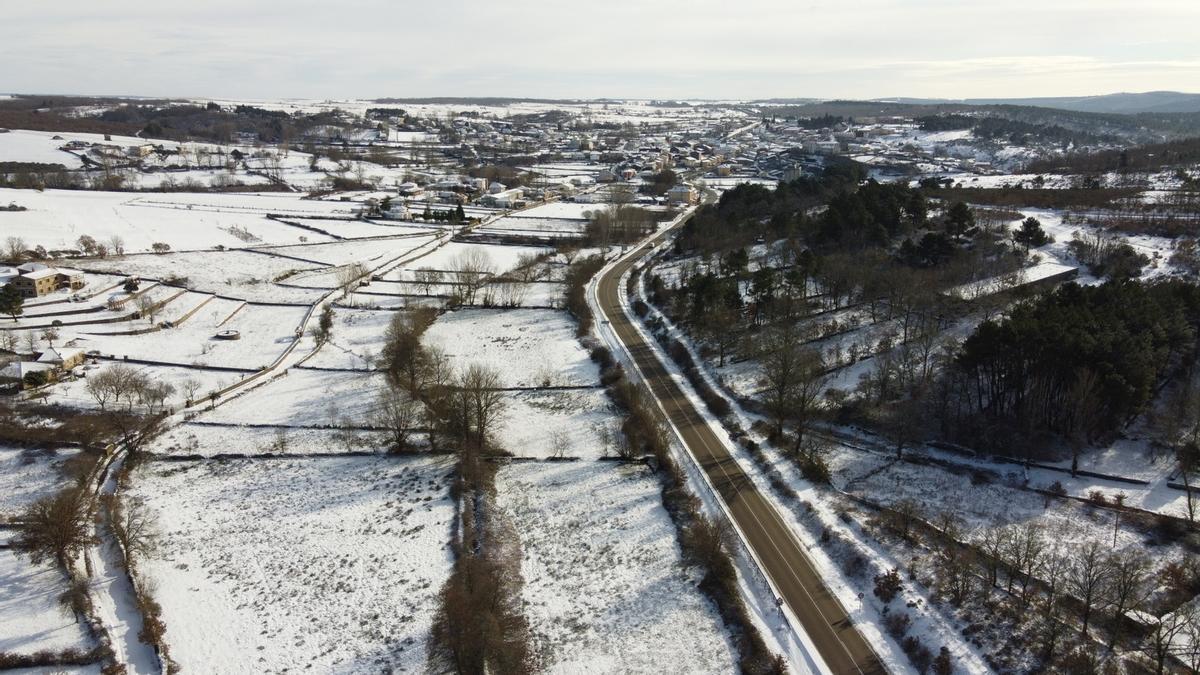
(329, 562)
(202, 439)
(265, 331)
(605, 590)
(533, 421)
(30, 619)
(28, 474)
(502, 258)
(239, 274)
(528, 347)
(57, 218)
(358, 337)
(305, 397)
(22, 145)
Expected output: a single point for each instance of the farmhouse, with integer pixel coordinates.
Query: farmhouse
(61, 359)
(36, 283)
(13, 376)
(35, 279)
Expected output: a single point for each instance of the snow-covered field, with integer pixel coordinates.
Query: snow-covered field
(528, 347)
(500, 258)
(28, 474)
(186, 221)
(331, 562)
(605, 589)
(358, 338)
(265, 332)
(304, 398)
(573, 422)
(30, 618)
(208, 440)
(239, 274)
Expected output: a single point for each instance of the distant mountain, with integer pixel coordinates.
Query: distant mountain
(1123, 103)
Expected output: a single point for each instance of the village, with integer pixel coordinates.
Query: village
(290, 362)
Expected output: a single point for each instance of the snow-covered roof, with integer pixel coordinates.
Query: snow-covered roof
(17, 369)
(33, 267)
(40, 274)
(53, 355)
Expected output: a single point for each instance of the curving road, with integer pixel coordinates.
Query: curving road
(841, 646)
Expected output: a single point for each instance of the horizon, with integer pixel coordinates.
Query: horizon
(901, 99)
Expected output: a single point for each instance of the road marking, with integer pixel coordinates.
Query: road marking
(610, 286)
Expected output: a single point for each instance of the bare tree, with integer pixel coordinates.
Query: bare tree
(1089, 574)
(50, 334)
(511, 293)
(1129, 586)
(190, 386)
(147, 308)
(114, 383)
(560, 442)
(117, 244)
(529, 268)
(1025, 553)
(483, 401)
(8, 341)
(397, 412)
(471, 270)
(14, 249)
(154, 395)
(349, 275)
(1163, 633)
(426, 278)
(55, 528)
(135, 527)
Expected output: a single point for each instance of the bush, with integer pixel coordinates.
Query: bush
(918, 654)
(603, 357)
(887, 585)
(897, 624)
(35, 378)
(815, 469)
(943, 665)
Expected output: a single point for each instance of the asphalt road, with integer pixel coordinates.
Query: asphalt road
(839, 643)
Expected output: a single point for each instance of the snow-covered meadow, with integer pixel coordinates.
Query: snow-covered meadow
(528, 347)
(605, 589)
(329, 562)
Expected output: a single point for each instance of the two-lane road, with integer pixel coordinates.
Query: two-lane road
(841, 646)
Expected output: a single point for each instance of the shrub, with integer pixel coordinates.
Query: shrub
(943, 665)
(36, 378)
(897, 624)
(1056, 488)
(918, 654)
(603, 357)
(815, 469)
(887, 585)
(1097, 497)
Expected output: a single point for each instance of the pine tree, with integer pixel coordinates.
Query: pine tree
(11, 302)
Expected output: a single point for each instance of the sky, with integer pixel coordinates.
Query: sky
(732, 49)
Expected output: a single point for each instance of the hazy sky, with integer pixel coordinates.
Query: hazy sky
(615, 48)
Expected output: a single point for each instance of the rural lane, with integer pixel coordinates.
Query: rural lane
(822, 618)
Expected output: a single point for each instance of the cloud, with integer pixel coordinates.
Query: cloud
(617, 48)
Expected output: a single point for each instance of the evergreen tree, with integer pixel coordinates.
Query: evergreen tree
(11, 302)
(959, 219)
